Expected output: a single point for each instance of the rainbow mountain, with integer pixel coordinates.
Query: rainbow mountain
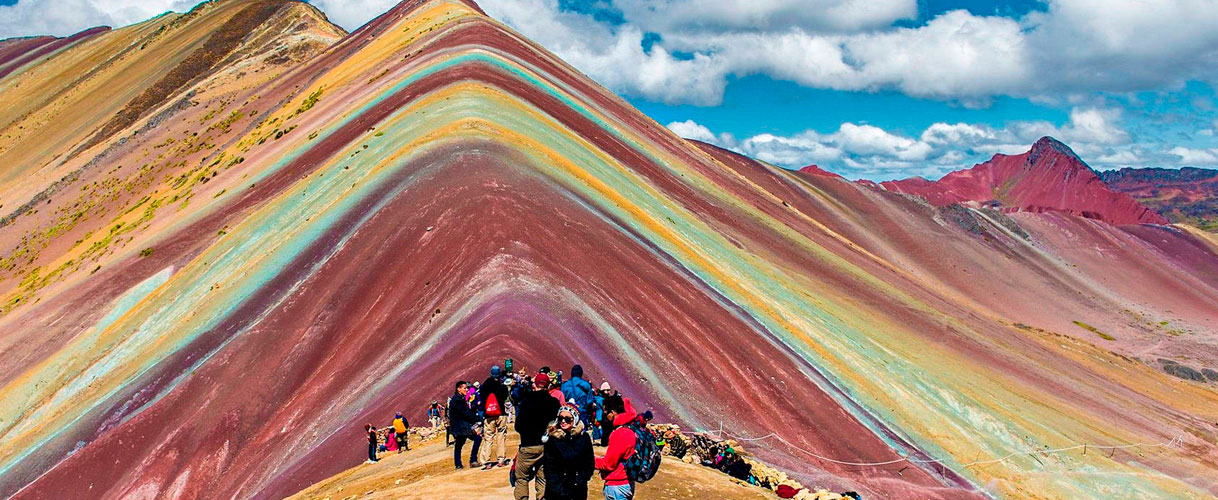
(233, 236)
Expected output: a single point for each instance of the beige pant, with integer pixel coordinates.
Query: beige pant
(528, 468)
(494, 435)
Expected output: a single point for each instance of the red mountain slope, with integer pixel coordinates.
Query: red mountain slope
(1048, 178)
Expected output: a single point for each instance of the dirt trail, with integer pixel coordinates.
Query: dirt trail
(426, 472)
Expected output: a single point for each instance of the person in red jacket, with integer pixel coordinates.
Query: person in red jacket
(618, 485)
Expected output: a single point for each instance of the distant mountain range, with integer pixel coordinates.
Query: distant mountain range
(1186, 195)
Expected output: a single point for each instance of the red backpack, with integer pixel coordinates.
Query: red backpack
(492, 406)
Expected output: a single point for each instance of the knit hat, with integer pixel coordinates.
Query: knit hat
(541, 381)
(495, 370)
(605, 386)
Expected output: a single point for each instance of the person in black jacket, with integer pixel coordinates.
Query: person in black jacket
(537, 410)
(568, 459)
(461, 423)
(494, 419)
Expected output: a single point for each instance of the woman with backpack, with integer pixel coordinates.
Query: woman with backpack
(568, 457)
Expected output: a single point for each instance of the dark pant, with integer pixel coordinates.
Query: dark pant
(403, 442)
(606, 429)
(570, 493)
(372, 451)
(459, 441)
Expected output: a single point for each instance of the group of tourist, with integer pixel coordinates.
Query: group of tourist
(557, 420)
(395, 437)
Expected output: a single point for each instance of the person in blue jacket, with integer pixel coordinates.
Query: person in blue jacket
(579, 390)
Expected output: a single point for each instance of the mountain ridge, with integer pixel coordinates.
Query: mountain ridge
(1049, 177)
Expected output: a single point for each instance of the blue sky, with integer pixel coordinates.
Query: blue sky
(874, 89)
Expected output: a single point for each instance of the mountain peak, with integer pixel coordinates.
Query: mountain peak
(1050, 177)
(816, 170)
(1048, 147)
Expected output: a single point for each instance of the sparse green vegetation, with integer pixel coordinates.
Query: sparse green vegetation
(147, 252)
(309, 102)
(1094, 330)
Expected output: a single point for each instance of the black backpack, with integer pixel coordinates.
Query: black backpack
(642, 466)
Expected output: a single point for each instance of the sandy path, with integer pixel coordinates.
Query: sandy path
(426, 472)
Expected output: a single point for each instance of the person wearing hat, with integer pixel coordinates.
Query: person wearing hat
(568, 458)
(533, 416)
(580, 391)
(603, 424)
(400, 428)
(509, 406)
(492, 400)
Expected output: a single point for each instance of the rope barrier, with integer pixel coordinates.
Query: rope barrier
(1166, 444)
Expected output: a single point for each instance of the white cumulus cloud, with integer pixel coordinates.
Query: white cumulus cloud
(65, 17)
(867, 151)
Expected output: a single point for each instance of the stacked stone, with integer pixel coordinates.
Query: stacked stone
(426, 433)
(703, 448)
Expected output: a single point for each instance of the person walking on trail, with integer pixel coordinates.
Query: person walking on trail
(493, 397)
(612, 466)
(372, 444)
(537, 409)
(445, 413)
(579, 390)
(462, 419)
(568, 459)
(401, 427)
(433, 415)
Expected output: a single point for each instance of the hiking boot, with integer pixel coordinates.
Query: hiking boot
(459, 466)
(475, 465)
(488, 466)
(505, 462)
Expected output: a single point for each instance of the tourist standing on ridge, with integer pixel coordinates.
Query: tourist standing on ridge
(618, 485)
(605, 423)
(368, 428)
(509, 406)
(537, 409)
(598, 413)
(580, 391)
(568, 458)
(492, 398)
(433, 415)
(461, 420)
(401, 426)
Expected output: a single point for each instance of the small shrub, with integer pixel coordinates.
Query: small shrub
(1094, 330)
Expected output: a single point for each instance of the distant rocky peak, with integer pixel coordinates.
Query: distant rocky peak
(1048, 149)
